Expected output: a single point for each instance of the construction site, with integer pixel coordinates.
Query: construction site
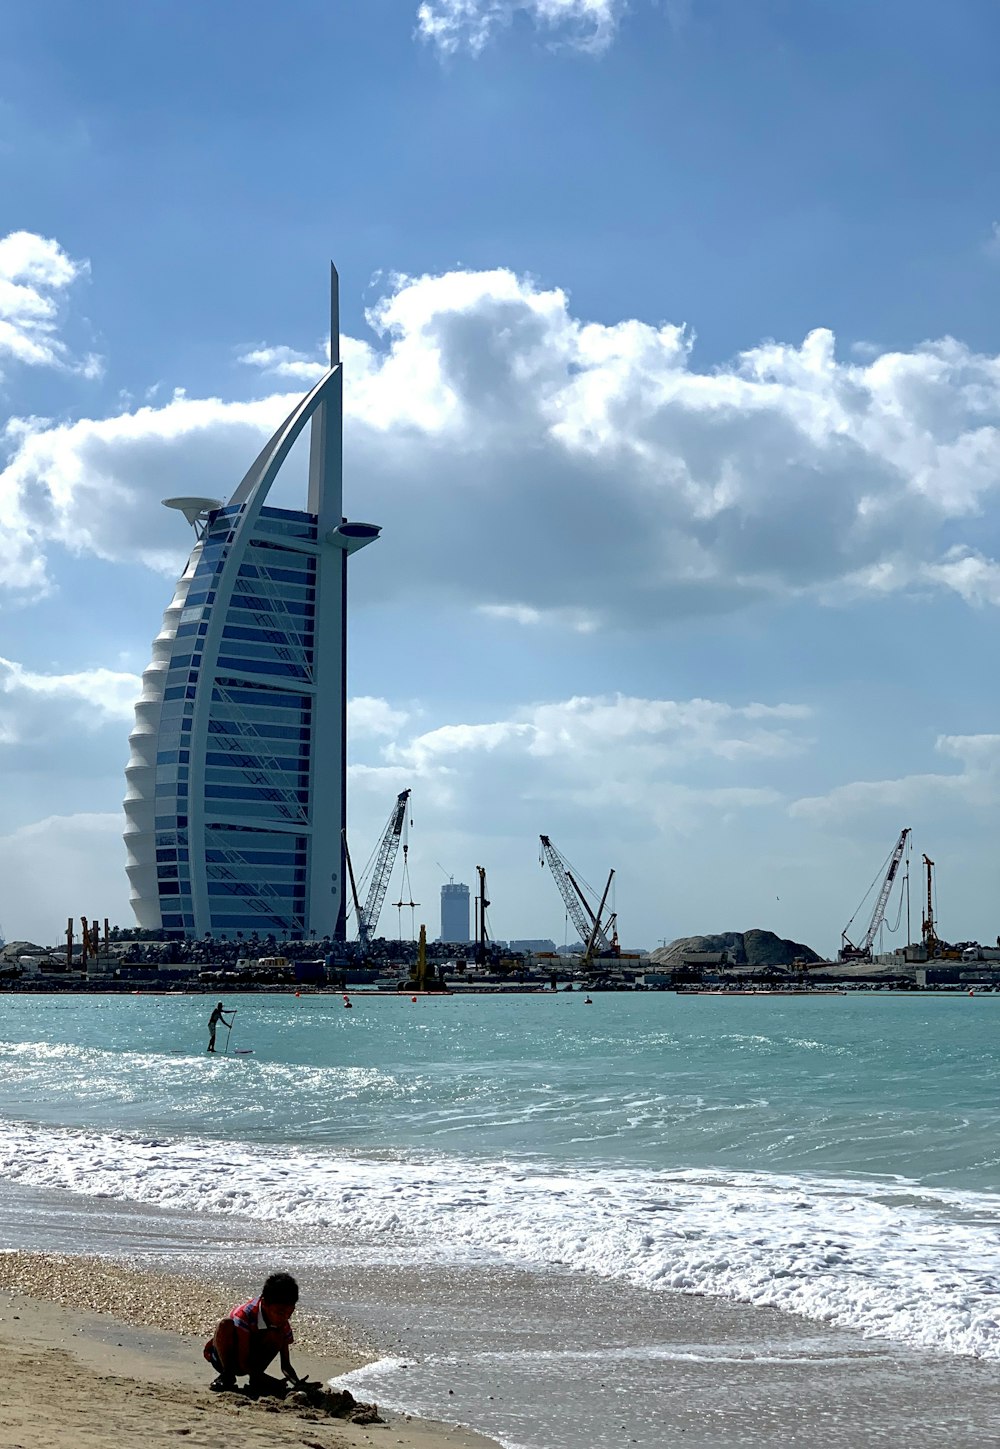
(757, 958)
(467, 956)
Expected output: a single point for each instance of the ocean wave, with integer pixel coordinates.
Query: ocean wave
(887, 1257)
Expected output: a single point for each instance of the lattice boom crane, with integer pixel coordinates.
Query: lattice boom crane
(590, 928)
(862, 952)
(384, 862)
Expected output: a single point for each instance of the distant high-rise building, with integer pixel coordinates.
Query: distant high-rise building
(455, 912)
(235, 808)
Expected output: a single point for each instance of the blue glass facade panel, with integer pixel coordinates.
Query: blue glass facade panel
(257, 766)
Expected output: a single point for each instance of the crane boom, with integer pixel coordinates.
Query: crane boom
(928, 928)
(482, 933)
(878, 914)
(850, 952)
(589, 927)
(384, 861)
(592, 939)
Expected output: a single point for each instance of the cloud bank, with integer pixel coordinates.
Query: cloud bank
(614, 480)
(660, 761)
(83, 854)
(34, 705)
(968, 791)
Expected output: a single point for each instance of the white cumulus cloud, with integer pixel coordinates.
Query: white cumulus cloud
(613, 479)
(33, 705)
(368, 717)
(94, 486)
(645, 755)
(284, 362)
(454, 25)
(34, 270)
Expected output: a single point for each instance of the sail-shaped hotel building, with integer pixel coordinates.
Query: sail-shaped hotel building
(235, 803)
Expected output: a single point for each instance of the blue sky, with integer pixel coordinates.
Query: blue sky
(672, 377)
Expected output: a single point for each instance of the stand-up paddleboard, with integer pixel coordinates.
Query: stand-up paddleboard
(186, 1052)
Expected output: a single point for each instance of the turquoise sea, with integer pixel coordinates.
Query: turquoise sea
(835, 1157)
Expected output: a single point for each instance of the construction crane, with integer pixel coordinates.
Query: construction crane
(482, 930)
(928, 930)
(385, 859)
(598, 936)
(863, 951)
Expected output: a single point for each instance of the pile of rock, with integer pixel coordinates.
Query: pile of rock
(747, 949)
(14, 950)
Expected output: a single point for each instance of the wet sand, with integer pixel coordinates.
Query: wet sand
(567, 1361)
(104, 1354)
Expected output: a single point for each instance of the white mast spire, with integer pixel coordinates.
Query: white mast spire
(334, 316)
(326, 450)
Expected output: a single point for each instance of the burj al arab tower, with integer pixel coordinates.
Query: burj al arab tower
(236, 784)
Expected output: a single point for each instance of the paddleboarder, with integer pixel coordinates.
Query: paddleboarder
(213, 1021)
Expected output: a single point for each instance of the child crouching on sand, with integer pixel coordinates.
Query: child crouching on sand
(247, 1341)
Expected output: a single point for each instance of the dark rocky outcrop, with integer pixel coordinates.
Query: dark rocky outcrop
(742, 948)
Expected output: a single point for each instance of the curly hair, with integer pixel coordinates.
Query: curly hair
(280, 1288)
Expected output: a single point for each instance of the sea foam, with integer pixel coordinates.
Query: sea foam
(887, 1258)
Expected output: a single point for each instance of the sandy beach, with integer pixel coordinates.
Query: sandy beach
(102, 1355)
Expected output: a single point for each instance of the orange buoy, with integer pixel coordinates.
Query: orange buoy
(414, 1000)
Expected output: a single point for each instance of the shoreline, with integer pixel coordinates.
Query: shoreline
(106, 1353)
(828, 987)
(533, 1359)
